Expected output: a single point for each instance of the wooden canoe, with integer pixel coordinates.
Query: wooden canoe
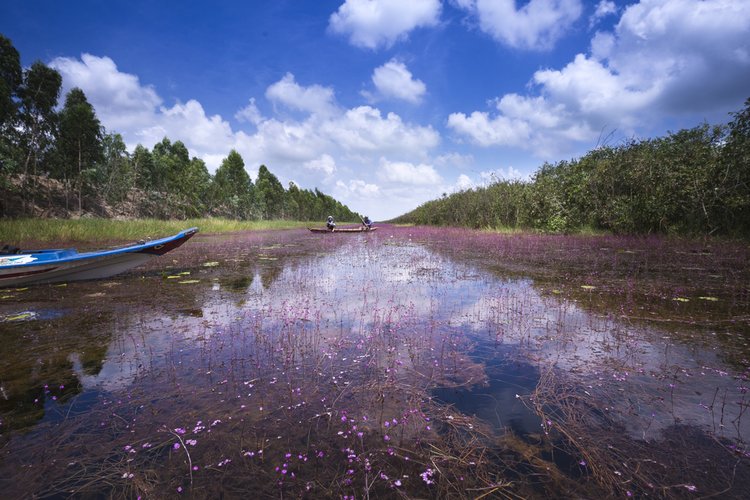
(341, 230)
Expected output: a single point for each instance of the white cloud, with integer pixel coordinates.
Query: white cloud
(454, 160)
(537, 25)
(364, 130)
(119, 98)
(394, 80)
(374, 23)
(325, 163)
(358, 188)
(664, 58)
(314, 99)
(408, 173)
(309, 150)
(486, 131)
(603, 9)
(463, 183)
(249, 113)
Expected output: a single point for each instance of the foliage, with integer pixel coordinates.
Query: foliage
(692, 182)
(79, 142)
(39, 145)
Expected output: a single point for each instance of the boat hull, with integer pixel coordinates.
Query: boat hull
(342, 230)
(52, 266)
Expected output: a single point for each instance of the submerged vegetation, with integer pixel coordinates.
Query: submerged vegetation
(410, 362)
(693, 182)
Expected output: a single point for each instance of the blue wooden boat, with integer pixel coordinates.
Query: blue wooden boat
(49, 266)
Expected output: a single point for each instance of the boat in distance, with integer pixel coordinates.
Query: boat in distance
(342, 230)
(32, 267)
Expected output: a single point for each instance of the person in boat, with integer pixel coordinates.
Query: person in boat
(330, 225)
(367, 222)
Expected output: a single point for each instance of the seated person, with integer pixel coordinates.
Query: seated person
(367, 222)
(330, 224)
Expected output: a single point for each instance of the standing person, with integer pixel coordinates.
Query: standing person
(330, 224)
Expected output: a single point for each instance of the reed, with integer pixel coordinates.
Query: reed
(20, 231)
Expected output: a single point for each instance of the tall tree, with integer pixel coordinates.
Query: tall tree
(116, 174)
(11, 77)
(232, 187)
(80, 140)
(269, 194)
(38, 93)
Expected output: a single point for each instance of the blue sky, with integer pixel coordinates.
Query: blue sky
(385, 104)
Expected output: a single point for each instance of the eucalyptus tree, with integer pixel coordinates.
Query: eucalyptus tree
(233, 189)
(116, 175)
(80, 142)
(38, 95)
(11, 78)
(269, 194)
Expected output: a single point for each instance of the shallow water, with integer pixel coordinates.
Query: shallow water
(331, 365)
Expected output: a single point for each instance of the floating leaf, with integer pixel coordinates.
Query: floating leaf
(173, 277)
(7, 296)
(186, 282)
(556, 291)
(184, 273)
(210, 264)
(711, 299)
(19, 317)
(681, 299)
(588, 287)
(22, 289)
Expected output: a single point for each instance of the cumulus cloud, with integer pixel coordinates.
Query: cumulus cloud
(372, 24)
(358, 188)
(394, 80)
(308, 148)
(314, 99)
(325, 163)
(603, 9)
(408, 173)
(249, 113)
(537, 25)
(120, 98)
(665, 57)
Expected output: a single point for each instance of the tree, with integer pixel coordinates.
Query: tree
(80, 140)
(143, 168)
(269, 194)
(11, 77)
(232, 188)
(116, 175)
(733, 180)
(38, 93)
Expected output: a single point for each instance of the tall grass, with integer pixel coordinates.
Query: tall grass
(19, 231)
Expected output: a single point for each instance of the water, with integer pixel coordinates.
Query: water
(330, 365)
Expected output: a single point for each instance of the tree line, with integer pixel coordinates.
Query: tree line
(39, 142)
(692, 182)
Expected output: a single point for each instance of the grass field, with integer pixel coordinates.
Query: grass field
(19, 231)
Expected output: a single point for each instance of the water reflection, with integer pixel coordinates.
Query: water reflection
(278, 337)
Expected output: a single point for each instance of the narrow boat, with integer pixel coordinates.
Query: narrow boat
(341, 230)
(49, 266)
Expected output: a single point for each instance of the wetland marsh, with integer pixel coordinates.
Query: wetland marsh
(408, 363)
